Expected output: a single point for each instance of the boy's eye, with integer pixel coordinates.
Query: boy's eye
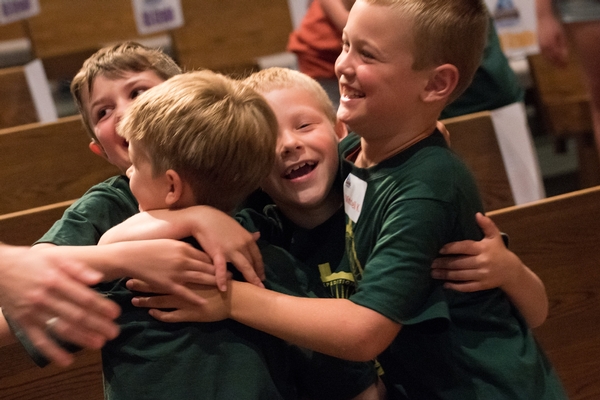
(135, 93)
(103, 112)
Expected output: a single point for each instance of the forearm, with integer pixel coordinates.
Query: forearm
(156, 224)
(336, 12)
(544, 9)
(528, 293)
(337, 327)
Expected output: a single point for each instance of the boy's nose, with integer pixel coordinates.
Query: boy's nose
(129, 172)
(288, 142)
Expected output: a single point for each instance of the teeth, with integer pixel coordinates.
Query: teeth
(352, 94)
(297, 167)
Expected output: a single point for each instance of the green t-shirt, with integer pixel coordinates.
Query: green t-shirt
(319, 272)
(494, 84)
(155, 360)
(452, 345)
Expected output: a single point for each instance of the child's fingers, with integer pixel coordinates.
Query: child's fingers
(466, 287)
(167, 301)
(465, 247)
(138, 285)
(488, 226)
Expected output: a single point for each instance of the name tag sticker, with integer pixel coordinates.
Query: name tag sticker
(354, 195)
(14, 10)
(157, 15)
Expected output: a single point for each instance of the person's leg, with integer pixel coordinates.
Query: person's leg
(585, 37)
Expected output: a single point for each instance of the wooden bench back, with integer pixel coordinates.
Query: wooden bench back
(559, 239)
(23, 228)
(21, 379)
(226, 36)
(47, 163)
(563, 102)
(473, 138)
(221, 35)
(16, 103)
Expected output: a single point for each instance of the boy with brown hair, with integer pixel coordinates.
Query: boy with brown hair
(105, 86)
(406, 196)
(198, 138)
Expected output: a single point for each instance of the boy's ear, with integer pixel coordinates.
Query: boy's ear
(97, 149)
(341, 130)
(175, 190)
(441, 84)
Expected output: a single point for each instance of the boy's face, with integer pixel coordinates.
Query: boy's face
(105, 106)
(306, 152)
(150, 191)
(377, 83)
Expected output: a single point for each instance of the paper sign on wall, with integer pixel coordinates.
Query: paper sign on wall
(516, 25)
(14, 10)
(157, 15)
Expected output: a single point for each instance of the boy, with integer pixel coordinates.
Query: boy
(104, 87)
(211, 144)
(306, 221)
(406, 197)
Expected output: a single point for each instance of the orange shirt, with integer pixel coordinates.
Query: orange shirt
(316, 43)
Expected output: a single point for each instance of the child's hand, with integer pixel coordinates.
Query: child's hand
(225, 240)
(168, 265)
(215, 307)
(470, 266)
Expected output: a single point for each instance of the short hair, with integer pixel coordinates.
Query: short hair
(275, 78)
(112, 62)
(446, 31)
(214, 131)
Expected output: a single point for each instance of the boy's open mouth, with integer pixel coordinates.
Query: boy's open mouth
(350, 93)
(300, 170)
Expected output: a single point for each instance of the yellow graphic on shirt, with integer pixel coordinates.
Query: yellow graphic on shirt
(355, 265)
(357, 270)
(341, 284)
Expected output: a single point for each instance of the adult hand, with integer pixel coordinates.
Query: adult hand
(37, 287)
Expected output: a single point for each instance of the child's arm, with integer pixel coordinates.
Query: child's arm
(223, 238)
(471, 266)
(337, 327)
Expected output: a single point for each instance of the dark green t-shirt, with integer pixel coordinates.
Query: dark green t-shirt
(452, 345)
(494, 85)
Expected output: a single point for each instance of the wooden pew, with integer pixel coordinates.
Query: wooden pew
(564, 104)
(221, 35)
(25, 95)
(473, 138)
(16, 102)
(559, 239)
(228, 36)
(21, 379)
(48, 163)
(25, 227)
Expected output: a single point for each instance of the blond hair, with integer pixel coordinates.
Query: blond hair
(113, 62)
(276, 78)
(446, 32)
(216, 132)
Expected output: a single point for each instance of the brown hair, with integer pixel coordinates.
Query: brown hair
(446, 32)
(112, 62)
(216, 132)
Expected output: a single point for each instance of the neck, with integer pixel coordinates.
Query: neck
(375, 149)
